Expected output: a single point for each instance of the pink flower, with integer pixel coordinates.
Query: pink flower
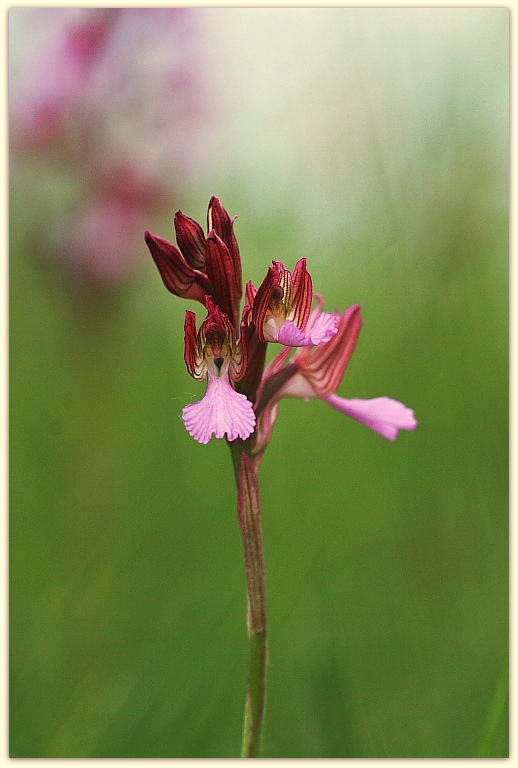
(50, 86)
(213, 353)
(282, 305)
(316, 372)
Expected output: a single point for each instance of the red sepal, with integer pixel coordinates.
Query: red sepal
(192, 355)
(302, 295)
(250, 294)
(220, 273)
(324, 366)
(219, 220)
(263, 298)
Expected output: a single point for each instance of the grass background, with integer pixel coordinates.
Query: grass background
(384, 161)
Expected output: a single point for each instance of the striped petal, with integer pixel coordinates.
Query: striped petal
(219, 220)
(324, 366)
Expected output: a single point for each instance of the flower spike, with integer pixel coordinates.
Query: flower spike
(242, 398)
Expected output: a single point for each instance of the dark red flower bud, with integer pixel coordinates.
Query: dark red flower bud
(221, 276)
(219, 220)
(178, 276)
(191, 240)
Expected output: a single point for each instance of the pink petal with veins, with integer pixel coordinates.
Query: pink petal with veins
(223, 411)
(323, 330)
(381, 414)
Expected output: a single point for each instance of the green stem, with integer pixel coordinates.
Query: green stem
(249, 515)
(497, 712)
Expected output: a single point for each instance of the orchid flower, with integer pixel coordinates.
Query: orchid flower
(242, 398)
(316, 372)
(213, 353)
(282, 305)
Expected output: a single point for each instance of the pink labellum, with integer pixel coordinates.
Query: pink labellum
(223, 411)
(322, 331)
(381, 414)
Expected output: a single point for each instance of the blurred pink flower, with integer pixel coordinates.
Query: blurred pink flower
(107, 99)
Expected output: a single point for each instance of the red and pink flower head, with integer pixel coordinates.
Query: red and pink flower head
(242, 398)
(213, 353)
(282, 306)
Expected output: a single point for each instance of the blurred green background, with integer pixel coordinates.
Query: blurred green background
(375, 143)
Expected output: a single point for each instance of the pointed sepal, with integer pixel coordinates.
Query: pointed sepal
(193, 355)
(219, 220)
(324, 366)
(269, 294)
(220, 273)
(302, 295)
